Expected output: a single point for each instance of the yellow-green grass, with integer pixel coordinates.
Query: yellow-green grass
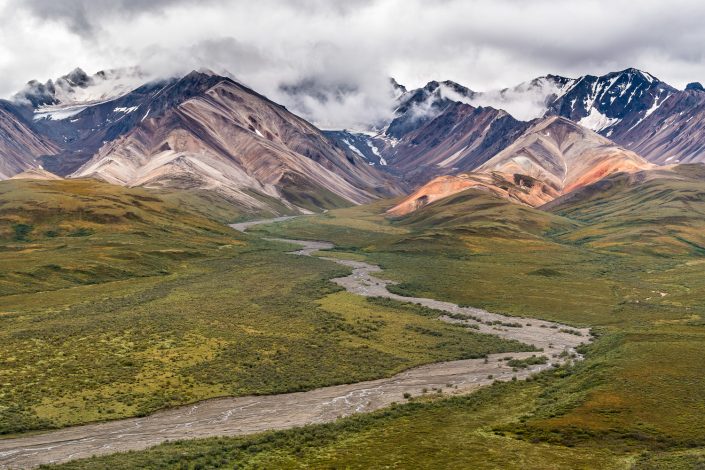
(661, 213)
(167, 307)
(426, 434)
(527, 274)
(677, 460)
(641, 388)
(57, 234)
(216, 327)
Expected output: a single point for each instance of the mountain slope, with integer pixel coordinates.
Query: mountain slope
(613, 103)
(564, 155)
(481, 213)
(553, 157)
(419, 106)
(20, 144)
(673, 133)
(227, 138)
(359, 144)
(81, 129)
(516, 188)
(36, 174)
(461, 138)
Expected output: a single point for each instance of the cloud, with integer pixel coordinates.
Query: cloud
(330, 60)
(84, 17)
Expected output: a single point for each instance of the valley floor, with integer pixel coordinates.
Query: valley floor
(551, 345)
(210, 319)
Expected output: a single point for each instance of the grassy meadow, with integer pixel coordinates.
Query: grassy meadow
(628, 264)
(154, 305)
(640, 393)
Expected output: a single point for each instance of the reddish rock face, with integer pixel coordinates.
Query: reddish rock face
(553, 157)
(516, 188)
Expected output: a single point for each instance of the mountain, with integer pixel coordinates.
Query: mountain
(614, 103)
(78, 88)
(553, 156)
(20, 144)
(640, 112)
(82, 129)
(461, 138)
(564, 155)
(673, 133)
(444, 127)
(434, 132)
(630, 107)
(417, 107)
(516, 188)
(208, 132)
(201, 132)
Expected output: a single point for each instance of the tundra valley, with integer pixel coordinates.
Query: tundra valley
(199, 273)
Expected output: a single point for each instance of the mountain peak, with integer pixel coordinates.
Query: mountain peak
(636, 72)
(397, 86)
(77, 87)
(695, 86)
(77, 77)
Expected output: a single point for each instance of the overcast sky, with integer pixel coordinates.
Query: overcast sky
(338, 54)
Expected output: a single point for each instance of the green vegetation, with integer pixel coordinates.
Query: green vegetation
(154, 305)
(627, 263)
(454, 433)
(529, 361)
(661, 214)
(59, 234)
(636, 279)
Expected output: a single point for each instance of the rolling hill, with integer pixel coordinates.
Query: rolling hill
(659, 211)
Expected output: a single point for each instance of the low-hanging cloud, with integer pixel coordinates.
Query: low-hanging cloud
(330, 60)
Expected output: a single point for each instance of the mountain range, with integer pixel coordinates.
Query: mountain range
(206, 132)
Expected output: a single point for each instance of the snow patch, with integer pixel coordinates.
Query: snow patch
(354, 149)
(597, 121)
(129, 110)
(374, 149)
(657, 104)
(54, 114)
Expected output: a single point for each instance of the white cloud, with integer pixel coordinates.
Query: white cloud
(347, 49)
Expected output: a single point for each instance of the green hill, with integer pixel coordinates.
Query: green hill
(660, 212)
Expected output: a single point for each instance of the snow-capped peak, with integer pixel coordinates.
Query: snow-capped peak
(77, 88)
